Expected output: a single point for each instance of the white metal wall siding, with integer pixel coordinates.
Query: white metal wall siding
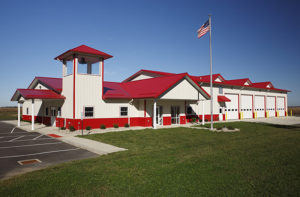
(216, 105)
(67, 107)
(280, 106)
(246, 106)
(259, 102)
(183, 91)
(28, 104)
(271, 105)
(232, 106)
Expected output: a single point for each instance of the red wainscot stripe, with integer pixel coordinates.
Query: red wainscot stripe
(38, 119)
(167, 120)
(95, 123)
(182, 119)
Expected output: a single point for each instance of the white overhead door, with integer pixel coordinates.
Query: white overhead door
(246, 106)
(232, 106)
(280, 106)
(271, 105)
(259, 103)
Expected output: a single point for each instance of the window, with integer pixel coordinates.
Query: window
(123, 111)
(59, 112)
(220, 90)
(27, 111)
(88, 111)
(189, 110)
(47, 111)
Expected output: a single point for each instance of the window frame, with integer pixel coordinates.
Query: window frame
(84, 111)
(123, 111)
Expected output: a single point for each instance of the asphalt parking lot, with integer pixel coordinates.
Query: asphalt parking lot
(22, 151)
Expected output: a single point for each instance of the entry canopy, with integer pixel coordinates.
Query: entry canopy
(35, 94)
(223, 99)
(82, 50)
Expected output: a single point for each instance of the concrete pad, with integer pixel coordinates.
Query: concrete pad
(70, 137)
(288, 120)
(91, 145)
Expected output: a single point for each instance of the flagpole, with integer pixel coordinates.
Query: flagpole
(211, 90)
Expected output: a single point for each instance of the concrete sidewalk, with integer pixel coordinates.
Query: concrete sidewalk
(69, 137)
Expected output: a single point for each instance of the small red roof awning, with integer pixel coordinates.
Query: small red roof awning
(36, 94)
(223, 99)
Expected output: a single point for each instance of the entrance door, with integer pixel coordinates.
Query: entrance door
(159, 117)
(53, 116)
(221, 114)
(175, 118)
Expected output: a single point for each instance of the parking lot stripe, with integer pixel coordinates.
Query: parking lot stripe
(48, 138)
(13, 130)
(32, 145)
(16, 138)
(41, 153)
(10, 133)
(37, 137)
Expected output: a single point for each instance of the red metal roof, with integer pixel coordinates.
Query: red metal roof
(147, 71)
(263, 84)
(223, 99)
(146, 88)
(206, 78)
(55, 83)
(83, 49)
(238, 82)
(39, 94)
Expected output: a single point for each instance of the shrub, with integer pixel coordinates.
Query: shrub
(116, 126)
(63, 128)
(71, 128)
(194, 119)
(126, 125)
(102, 126)
(88, 128)
(219, 128)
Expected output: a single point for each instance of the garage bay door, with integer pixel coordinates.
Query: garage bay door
(259, 103)
(246, 106)
(280, 106)
(232, 106)
(271, 105)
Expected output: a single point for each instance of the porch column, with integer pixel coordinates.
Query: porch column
(202, 112)
(32, 114)
(19, 114)
(89, 68)
(154, 114)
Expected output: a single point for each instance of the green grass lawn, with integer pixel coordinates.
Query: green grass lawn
(260, 160)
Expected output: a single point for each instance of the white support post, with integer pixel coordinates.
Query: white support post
(154, 114)
(64, 68)
(202, 112)
(89, 68)
(19, 114)
(32, 114)
(101, 67)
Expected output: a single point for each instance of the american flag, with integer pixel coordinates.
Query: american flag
(203, 29)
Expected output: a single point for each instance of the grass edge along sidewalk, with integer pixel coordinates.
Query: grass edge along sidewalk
(260, 160)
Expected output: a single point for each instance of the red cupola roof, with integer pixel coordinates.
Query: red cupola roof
(83, 49)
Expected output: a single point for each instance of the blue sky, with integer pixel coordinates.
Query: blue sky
(256, 39)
